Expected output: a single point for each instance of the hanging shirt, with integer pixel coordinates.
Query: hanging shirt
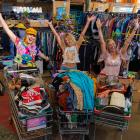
(71, 55)
(25, 54)
(112, 66)
(21, 33)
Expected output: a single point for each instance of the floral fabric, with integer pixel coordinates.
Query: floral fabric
(25, 54)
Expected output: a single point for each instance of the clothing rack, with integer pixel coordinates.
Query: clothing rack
(122, 14)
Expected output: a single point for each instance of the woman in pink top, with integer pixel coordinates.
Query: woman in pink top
(111, 55)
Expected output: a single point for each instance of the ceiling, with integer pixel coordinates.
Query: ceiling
(25, 1)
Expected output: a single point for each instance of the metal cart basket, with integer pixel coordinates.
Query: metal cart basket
(74, 123)
(43, 127)
(105, 115)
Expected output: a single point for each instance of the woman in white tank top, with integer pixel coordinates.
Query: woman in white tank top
(111, 55)
(70, 46)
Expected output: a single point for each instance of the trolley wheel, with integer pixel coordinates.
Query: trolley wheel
(121, 129)
(48, 137)
(87, 137)
(72, 137)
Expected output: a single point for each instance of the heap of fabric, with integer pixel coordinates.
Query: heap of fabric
(29, 95)
(75, 90)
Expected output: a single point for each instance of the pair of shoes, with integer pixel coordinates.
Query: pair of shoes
(32, 96)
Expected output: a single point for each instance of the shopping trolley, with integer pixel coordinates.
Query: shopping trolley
(74, 123)
(112, 116)
(31, 127)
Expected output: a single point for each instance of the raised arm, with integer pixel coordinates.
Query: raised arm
(102, 41)
(130, 37)
(7, 30)
(55, 34)
(80, 40)
(42, 55)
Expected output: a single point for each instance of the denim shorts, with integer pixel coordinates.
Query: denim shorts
(68, 68)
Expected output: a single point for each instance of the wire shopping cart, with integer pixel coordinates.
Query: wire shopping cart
(31, 126)
(74, 123)
(112, 116)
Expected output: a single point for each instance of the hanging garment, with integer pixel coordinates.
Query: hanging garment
(134, 64)
(89, 54)
(12, 49)
(5, 41)
(21, 33)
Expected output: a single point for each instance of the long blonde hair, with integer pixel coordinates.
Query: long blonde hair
(70, 37)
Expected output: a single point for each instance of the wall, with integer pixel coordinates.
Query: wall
(109, 5)
(95, 5)
(57, 4)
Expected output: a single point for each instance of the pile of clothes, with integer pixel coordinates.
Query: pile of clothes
(29, 95)
(113, 96)
(75, 90)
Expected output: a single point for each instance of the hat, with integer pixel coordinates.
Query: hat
(21, 26)
(31, 31)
